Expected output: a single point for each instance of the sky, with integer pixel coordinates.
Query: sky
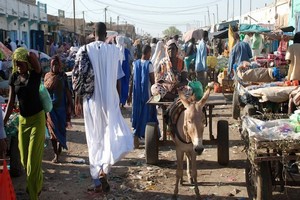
(155, 16)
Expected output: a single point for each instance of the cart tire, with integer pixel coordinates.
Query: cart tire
(259, 184)
(249, 110)
(223, 142)
(236, 111)
(151, 143)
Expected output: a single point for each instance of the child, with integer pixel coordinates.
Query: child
(143, 78)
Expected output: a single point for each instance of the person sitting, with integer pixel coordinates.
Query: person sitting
(170, 74)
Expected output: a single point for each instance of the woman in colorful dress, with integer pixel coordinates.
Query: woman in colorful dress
(57, 84)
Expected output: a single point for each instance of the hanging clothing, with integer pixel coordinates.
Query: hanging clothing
(257, 44)
(142, 113)
(107, 134)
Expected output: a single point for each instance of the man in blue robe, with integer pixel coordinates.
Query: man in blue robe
(143, 78)
(241, 52)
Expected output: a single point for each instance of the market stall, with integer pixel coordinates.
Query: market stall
(272, 143)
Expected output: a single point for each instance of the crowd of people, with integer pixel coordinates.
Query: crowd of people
(124, 73)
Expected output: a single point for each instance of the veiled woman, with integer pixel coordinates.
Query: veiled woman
(56, 83)
(158, 55)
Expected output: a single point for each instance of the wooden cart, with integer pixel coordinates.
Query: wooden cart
(152, 141)
(269, 165)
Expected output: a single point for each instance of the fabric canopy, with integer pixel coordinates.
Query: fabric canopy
(287, 29)
(220, 34)
(252, 28)
(225, 25)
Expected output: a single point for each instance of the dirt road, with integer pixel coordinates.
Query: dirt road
(132, 178)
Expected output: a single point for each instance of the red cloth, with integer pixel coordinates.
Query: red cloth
(7, 191)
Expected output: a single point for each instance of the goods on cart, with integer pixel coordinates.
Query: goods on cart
(271, 145)
(258, 88)
(280, 129)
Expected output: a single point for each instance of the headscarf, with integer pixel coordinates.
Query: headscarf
(159, 54)
(51, 78)
(21, 55)
(121, 44)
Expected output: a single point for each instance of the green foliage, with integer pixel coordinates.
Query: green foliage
(171, 31)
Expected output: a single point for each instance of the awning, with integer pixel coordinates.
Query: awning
(220, 34)
(253, 28)
(287, 29)
(225, 25)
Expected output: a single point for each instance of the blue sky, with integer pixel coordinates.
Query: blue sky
(154, 16)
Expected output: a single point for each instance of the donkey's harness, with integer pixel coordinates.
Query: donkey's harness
(171, 116)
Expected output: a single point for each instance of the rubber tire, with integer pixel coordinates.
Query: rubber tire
(249, 110)
(262, 188)
(223, 142)
(236, 111)
(151, 143)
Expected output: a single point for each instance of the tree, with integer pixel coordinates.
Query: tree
(171, 31)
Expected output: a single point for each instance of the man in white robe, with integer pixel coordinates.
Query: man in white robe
(107, 134)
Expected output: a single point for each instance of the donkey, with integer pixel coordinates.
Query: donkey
(189, 137)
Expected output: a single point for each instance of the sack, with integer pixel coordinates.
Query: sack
(45, 98)
(83, 76)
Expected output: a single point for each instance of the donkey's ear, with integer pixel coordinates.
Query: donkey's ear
(183, 99)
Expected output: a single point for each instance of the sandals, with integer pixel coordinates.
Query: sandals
(104, 183)
(95, 189)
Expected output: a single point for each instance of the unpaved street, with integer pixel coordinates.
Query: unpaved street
(131, 178)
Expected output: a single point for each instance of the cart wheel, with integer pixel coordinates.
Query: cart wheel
(235, 105)
(223, 142)
(151, 143)
(249, 110)
(259, 184)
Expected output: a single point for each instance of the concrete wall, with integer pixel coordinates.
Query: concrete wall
(3, 22)
(294, 15)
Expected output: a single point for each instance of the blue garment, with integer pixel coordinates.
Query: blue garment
(201, 55)
(142, 113)
(59, 111)
(240, 52)
(126, 78)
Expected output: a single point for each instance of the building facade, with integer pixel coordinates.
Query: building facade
(23, 20)
(294, 16)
